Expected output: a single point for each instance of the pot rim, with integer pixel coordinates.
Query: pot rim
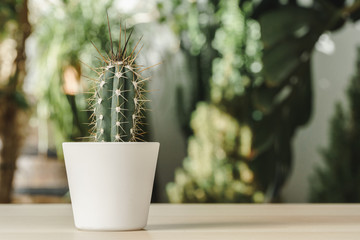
(109, 143)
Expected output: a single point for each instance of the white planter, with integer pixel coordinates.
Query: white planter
(110, 183)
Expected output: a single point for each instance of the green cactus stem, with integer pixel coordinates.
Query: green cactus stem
(119, 99)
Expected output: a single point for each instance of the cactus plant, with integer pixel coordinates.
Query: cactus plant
(118, 103)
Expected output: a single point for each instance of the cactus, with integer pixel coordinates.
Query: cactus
(119, 97)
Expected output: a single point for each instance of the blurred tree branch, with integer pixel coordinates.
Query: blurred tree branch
(13, 104)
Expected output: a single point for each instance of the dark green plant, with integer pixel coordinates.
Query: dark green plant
(337, 181)
(119, 98)
(289, 32)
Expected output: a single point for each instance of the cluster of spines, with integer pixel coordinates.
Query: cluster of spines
(119, 99)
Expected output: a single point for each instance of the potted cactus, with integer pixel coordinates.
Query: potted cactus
(111, 179)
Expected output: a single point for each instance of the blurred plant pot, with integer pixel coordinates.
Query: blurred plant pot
(110, 183)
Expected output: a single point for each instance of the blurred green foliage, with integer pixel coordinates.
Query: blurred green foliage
(63, 36)
(16, 27)
(337, 180)
(250, 68)
(217, 167)
(289, 31)
(274, 103)
(195, 24)
(9, 18)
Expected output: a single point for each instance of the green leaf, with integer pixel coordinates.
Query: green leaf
(20, 100)
(289, 34)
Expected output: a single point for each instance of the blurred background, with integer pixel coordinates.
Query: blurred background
(256, 101)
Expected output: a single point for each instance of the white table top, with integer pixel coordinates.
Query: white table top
(190, 221)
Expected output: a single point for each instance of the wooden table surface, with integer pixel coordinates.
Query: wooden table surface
(172, 222)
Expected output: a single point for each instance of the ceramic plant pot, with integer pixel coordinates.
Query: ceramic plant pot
(110, 183)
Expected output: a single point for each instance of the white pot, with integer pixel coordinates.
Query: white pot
(110, 183)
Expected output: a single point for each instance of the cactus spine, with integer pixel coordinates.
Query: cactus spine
(119, 98)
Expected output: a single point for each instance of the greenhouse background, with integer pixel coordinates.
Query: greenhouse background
(255, 101)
